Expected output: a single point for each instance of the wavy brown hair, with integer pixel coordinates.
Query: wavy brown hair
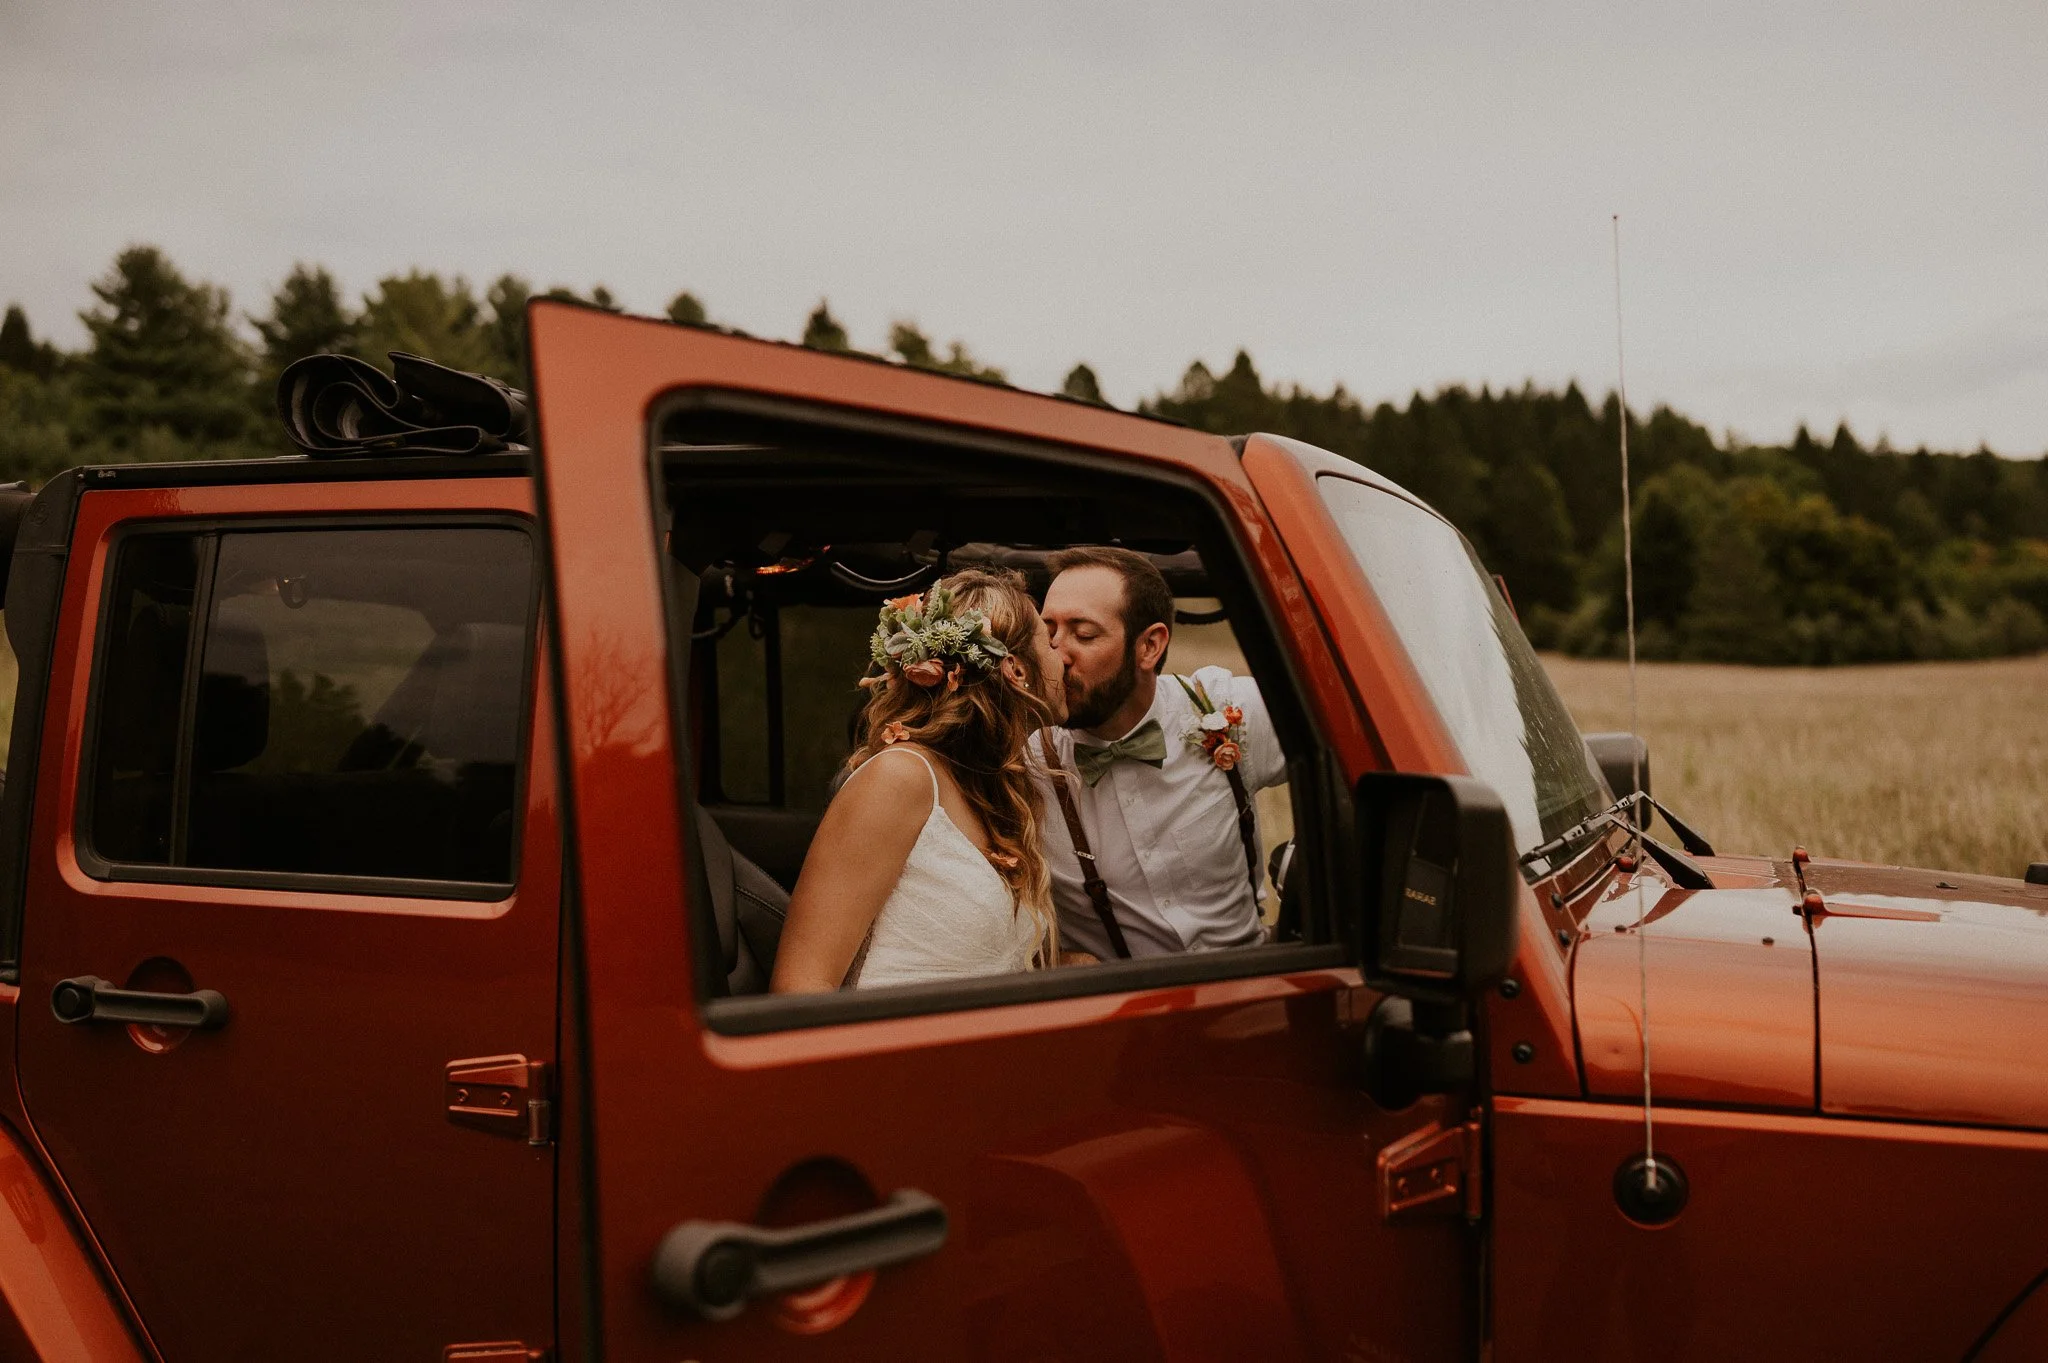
(980, 728)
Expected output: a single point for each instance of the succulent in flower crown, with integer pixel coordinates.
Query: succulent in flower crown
(928, 638)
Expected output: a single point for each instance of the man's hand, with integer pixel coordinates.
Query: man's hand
(1079, 958)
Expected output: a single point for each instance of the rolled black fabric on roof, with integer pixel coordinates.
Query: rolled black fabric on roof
(337, 406)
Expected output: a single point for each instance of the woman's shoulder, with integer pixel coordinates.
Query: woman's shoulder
(896, 789)
(914, 767)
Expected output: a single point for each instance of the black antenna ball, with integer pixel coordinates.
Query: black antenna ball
(1651, 1190)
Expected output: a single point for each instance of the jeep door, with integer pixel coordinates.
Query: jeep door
(1161, 1158)
(293, 853)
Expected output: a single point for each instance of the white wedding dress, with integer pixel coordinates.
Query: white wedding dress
(951, 914)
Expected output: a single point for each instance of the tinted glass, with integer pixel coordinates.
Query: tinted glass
(1487, 683)
(148, 632)
(357, 709)
(359, 703)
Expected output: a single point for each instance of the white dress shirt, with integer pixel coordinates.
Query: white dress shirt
(1165, 839)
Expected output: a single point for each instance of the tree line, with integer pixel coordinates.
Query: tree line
(1810, 552)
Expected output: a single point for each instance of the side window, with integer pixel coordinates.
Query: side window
(787, 689)
(148, 634)
(786, 547)
(356, 706)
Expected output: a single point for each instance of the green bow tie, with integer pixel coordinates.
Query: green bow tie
(1146, 743)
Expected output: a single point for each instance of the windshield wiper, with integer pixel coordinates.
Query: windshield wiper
(1683, 870)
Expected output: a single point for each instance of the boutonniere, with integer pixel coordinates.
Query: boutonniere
(1218, 732)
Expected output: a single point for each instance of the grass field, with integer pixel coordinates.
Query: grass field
(1940, 765)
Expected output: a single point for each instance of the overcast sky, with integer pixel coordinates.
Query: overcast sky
(1829, 211)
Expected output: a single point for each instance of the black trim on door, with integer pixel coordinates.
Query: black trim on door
(35, 596)
(1319, 799)
(208, 531)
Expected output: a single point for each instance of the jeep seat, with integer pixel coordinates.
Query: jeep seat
(747, 906)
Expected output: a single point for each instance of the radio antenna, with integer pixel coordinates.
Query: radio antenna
(1635, 818)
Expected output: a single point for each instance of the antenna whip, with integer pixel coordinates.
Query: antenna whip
(1628, 571)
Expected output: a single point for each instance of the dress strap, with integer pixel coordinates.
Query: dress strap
(851, 980)
(929, 769)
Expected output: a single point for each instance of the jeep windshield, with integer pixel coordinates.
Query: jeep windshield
(1485, 681)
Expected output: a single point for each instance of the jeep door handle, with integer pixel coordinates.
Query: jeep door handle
(715, 1267)
(88, 998)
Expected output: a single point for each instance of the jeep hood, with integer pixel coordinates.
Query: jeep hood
(1917, 995)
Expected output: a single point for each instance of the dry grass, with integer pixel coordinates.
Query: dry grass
(1941, 765)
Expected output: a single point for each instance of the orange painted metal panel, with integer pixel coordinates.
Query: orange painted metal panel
(56, 1305)
(1805, 1237)
(1022, 1119)
(1932, 1006)
(267, 1155)
(1731, 996)
(2022, 1336)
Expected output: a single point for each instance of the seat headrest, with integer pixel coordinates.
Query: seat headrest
(233, 724)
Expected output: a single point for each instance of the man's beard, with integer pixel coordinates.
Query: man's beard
(1092, 708)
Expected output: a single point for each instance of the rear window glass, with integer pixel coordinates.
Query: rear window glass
(356, 706)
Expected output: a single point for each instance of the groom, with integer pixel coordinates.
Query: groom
(1148, 827)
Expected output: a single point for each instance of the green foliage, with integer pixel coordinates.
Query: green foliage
(20, 351)
(307, 317)
(418, 313)
(1805, 553)
(38, 418)
(1809, 552)
(506, 299)
(685, 310)
(165, 377)
(914, 348)
(1081, 385)
(822, 330)
(599, 297)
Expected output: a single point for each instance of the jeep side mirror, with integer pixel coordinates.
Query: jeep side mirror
(1440, 882)
(1618, 758)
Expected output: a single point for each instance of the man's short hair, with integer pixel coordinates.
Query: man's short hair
(1148, 601)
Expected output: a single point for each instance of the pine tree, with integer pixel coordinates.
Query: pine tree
(1530, 533)
(307, 317)
(914, 348)
(1081, 385)
(823, 332)
(164, 373)
(423, 314)
(20, 351)
(685, 310)
(506, 328)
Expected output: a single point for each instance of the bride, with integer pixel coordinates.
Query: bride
(927, 865)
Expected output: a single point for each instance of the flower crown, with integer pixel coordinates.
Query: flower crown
(927, 638)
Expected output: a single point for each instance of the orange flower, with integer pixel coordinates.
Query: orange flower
(895, 731)
(904, 603)
(1226, 755)
(953, 677)
(1232, 715)
(930, 672)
